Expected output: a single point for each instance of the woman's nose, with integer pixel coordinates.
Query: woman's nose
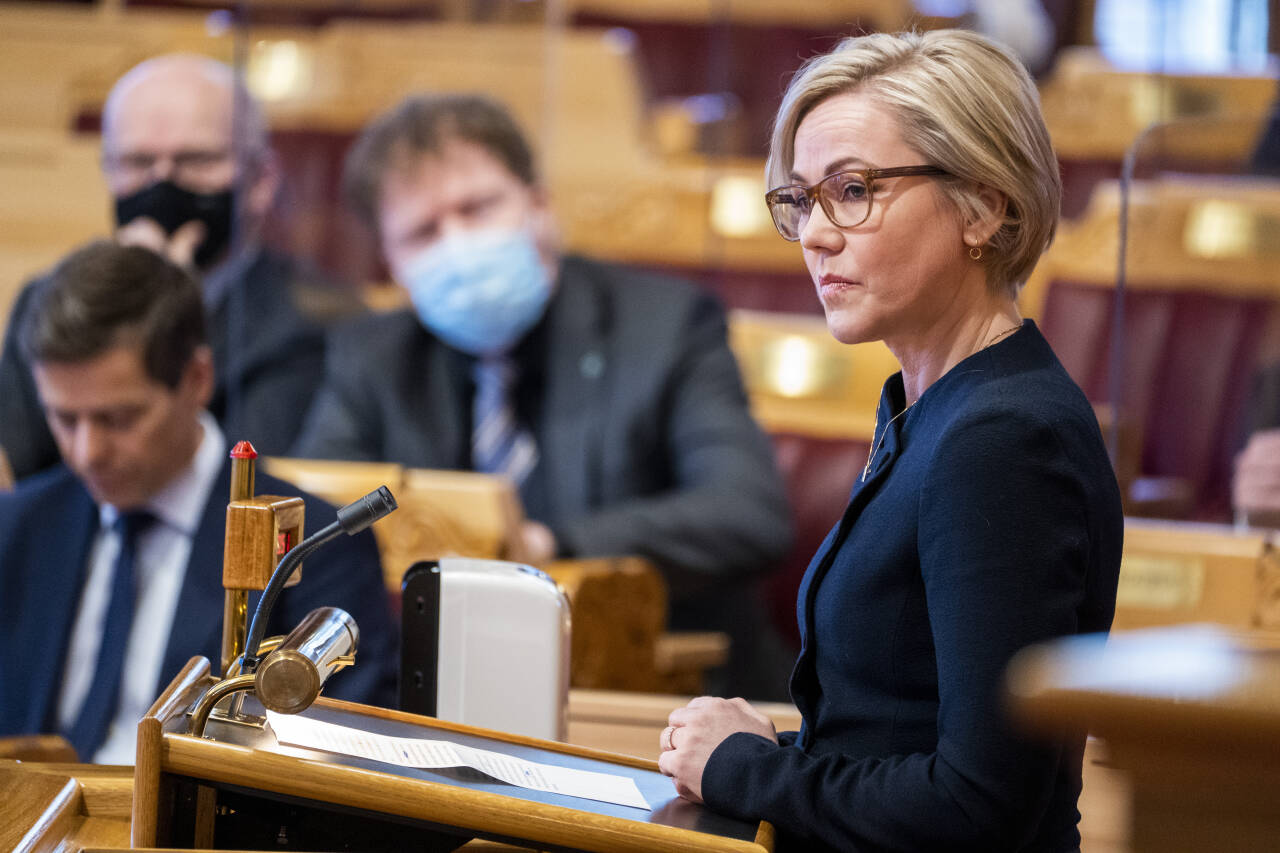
(818, 233)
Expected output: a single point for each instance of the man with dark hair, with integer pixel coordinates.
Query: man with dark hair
(609, 396)
(116, 554)
(186, 157)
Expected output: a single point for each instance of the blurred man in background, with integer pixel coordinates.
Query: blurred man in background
(609, 396)
(186, 158)
(112, 567)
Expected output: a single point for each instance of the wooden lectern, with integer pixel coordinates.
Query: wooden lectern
(1190, 713)
(210, 773)
(236, 787)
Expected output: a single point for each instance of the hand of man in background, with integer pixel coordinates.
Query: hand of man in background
(1256, 489)
(178, 247)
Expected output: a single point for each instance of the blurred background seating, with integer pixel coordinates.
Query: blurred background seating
(651, 119)
(618, 604)
(1201, 315)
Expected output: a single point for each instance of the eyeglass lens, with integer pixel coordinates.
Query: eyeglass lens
(844, 197)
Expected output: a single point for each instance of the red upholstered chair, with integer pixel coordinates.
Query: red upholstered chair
(1202, 297)
(1187, 357)
(1095, 111)
(816, 397)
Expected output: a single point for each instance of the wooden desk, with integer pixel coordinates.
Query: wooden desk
(237, 786)
(96, 817)
(1191, 714)
(1175, 573)
(1095, 110)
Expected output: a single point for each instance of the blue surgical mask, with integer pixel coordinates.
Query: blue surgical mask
(479, 291)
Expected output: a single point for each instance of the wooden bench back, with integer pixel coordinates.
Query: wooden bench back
(53, 199)
(619, 604)
(1173, 573)
(1201, 315)
(803, 381)
(442, 513)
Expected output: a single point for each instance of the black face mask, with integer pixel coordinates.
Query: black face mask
(171, 207)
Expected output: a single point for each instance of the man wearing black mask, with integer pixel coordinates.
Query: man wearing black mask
(185, 156)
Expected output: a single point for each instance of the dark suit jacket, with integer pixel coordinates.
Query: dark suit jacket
(646, 443)
(46, 528)
(1266, 154)
(267, 335)
(990, 519)
(1263, 410)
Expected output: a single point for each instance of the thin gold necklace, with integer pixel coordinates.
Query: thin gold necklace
(866, 469)
(1006, 333)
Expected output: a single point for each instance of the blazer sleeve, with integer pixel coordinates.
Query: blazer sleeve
(338, 423)
(264, 399)
(24, 433)
(726, 511)
(1004, 544)
(270, 339)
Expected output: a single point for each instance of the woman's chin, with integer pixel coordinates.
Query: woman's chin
(848, 327)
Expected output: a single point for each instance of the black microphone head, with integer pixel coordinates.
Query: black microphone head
(359, 514)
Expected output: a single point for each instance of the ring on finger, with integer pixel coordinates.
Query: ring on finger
(665, 740)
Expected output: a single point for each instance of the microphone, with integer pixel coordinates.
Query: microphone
(352, 519)
(359, 514)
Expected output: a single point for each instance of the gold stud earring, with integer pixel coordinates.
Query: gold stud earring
(975, 253)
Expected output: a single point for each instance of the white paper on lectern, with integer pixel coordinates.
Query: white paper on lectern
(293, 730)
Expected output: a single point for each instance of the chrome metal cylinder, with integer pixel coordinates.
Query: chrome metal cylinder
(289, 679)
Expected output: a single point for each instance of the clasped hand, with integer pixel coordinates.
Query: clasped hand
(694, 732)
(179, 248)
(1257, 482)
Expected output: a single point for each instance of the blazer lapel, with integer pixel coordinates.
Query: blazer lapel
(884, 454)
(436, 420)
(47, 621)
(577, 372)
(197, 626)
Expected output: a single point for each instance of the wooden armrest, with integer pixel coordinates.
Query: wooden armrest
(680, 651)
(619, 609)
(43, 748)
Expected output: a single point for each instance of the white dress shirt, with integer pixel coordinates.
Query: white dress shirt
(162, 553)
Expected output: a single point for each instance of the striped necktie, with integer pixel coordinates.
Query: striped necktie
(499, 443)
(89, 731)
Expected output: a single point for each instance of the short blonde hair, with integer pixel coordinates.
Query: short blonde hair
(966, 105)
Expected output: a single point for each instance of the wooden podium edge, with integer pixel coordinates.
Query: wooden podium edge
(434, 802)
(386, 793)
(174, 701)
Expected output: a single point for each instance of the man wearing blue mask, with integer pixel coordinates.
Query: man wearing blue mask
(186, 159)
(609, 396)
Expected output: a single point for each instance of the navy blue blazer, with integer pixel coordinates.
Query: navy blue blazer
(989, 519)
(46, 529)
